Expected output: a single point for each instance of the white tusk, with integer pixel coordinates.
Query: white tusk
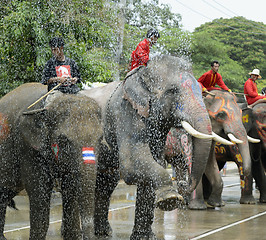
(217, 138)
(253, 140)
(194, 132)
(234, 139)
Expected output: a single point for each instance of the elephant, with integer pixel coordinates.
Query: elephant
(38, 146)
(226, 119)
(137, 117)
(254, 120)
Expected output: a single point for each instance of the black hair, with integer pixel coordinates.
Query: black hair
(263, 91)
(57, 42)
(215, 61)
(153, 32)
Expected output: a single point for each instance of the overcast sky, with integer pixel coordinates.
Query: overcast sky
(196, 12)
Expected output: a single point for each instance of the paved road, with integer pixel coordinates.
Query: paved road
(234, 221)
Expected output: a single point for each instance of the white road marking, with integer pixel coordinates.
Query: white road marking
(59, 221)
(129, 206)
(228, 226)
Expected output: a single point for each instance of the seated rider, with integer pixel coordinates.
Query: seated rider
(209, 79)
(141, 55)
(250, 88)
(60, 69)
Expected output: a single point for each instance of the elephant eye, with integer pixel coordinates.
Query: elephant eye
(220, 115)
(173, 91)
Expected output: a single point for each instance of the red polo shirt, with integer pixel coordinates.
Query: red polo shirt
(141, 55)
(209, 79)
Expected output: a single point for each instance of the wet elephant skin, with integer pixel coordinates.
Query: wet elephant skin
(40, 146)
(137, 118)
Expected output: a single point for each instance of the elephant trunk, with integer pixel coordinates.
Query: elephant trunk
(239, 133)
(201, 149)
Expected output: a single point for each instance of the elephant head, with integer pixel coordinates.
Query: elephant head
(226, 118)
(254, 120)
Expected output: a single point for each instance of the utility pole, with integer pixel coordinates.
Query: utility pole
(120, 38)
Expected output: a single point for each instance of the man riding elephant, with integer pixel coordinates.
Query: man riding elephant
(251, 90)
(209, 79)
(141, 54)
(60, 72)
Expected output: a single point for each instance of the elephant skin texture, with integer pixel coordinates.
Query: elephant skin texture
(136, 119)
(38, 147)
(254, 120)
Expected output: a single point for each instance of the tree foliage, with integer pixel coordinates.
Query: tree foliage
(239, 44)
(100, 36)
(27, 26)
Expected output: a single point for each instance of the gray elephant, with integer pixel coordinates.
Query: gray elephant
(137, 118)
(226, 119)
(38, 146)
(254, 120)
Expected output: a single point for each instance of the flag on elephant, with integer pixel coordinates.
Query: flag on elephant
(88, 155)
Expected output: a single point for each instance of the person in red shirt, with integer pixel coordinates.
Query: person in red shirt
(250, 88)
(209, 79)
(141, 55)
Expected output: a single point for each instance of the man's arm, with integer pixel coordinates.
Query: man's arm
(221, 83)
(201, 81)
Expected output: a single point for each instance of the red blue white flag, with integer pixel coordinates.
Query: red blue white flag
(88, 155)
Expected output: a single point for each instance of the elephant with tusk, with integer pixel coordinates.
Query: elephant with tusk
(137, 118)
(228, 129)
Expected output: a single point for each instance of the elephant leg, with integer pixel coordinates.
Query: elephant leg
(247, 184)
(139, 167)
(260, 178)
(106, 182)
(38, 184)
(3, 207)
(246, 191)
(145, 205)
(6, 196)
(216, 182)
(71, 221)
(196, 199)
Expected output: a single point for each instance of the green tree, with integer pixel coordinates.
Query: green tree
(27, 27)
(245, 43)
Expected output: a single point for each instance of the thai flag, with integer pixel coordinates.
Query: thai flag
(88, 155)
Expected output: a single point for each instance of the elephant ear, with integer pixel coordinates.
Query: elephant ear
(33, 125)
(136, 92)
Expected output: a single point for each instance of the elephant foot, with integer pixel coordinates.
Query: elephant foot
(197, 205)
(143, 236)
(168, 199)
(102, 228)
(247, 200)
(213, 203)
(262, 198)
